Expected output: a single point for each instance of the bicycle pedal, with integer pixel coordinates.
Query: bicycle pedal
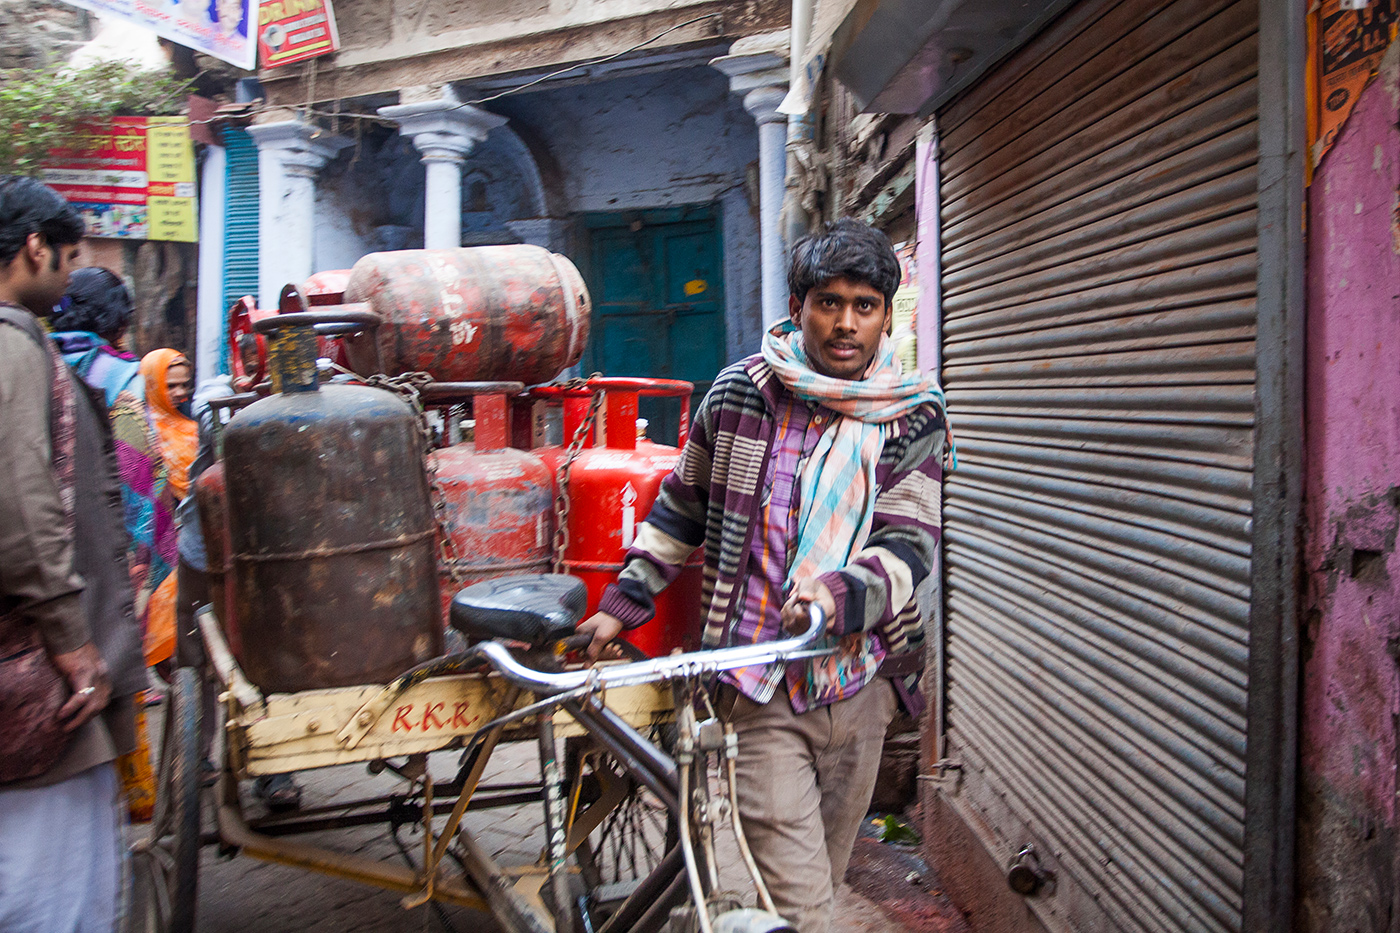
(684, 920)
(606, 895)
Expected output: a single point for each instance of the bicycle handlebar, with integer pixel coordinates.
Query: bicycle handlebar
(692, 664)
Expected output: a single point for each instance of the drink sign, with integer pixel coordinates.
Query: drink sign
(295, 30)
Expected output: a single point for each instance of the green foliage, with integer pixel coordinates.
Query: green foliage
(43, 109)
(895, 830)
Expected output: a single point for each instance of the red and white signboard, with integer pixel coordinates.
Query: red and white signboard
(295, 30)
(132, 178)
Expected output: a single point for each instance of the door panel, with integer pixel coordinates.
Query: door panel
(656, 278)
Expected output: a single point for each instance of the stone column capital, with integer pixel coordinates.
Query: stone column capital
(762, 104)
(302, 148)
(444, 130)
(757, 68)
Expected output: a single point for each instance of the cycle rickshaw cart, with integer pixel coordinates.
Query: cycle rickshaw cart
(628, 810)
(496, 690)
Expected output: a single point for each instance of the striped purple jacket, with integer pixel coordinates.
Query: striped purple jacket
(714, 496)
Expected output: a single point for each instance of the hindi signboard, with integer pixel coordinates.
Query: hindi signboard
(295, 30)
(133, 179)
(215, 27)
(1348, 44)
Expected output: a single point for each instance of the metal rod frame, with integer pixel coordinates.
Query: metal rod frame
(1271, 752)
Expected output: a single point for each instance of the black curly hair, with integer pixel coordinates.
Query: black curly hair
(844, 248)
(27, 206)
(96, 301)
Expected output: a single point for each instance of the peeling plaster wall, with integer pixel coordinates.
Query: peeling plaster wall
(676, 137)
(391, 44)
(1351, 691)
(369, 198)
(35, 33)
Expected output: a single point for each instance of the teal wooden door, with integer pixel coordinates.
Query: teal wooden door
(658, 302)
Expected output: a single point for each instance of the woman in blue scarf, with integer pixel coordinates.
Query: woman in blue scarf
(89, 326)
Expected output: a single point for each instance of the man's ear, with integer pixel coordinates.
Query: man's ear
(35, 248)
(795, 310)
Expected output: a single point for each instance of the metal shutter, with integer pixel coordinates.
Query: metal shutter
(240, 222)
(1099, 207)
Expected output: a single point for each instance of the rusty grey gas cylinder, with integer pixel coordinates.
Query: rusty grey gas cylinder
(475, 314)
(331, 539)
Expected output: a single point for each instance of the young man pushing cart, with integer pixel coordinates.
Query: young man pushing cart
(812, 474)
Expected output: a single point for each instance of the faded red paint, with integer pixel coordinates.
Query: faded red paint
(326, 287)
(1351, 690)
(248, 350)
(498, 503)
(478, 314)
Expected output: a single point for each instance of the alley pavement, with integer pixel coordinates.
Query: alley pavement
(245, 895)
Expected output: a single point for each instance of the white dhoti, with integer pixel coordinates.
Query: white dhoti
(60, 855)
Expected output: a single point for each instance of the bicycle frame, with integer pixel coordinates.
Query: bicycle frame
(280, 733)
(650, 905)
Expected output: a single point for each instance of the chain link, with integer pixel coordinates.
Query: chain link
(562, 503)
(410, 387)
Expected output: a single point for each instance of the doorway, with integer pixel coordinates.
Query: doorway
(656, 279)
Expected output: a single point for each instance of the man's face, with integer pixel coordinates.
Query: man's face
(841, 323)
(50, 270)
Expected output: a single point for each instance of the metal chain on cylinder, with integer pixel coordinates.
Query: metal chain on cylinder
(562, 504)
(409, 386)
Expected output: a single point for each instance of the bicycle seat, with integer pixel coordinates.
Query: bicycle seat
(535, 608)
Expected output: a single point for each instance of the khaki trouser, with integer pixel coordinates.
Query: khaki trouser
(805, 782)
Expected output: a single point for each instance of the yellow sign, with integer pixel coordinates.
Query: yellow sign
(172, 219)
(695, 287)
(169, 154)
(170, 202)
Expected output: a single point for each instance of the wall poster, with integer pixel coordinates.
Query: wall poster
(214, 27)
(133, 179)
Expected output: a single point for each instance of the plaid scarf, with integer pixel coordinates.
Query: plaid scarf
(838, 480)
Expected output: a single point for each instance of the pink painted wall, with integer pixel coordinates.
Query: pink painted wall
(1351, 679)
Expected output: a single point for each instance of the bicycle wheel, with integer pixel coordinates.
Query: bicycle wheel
(630, 831)
(165, 863)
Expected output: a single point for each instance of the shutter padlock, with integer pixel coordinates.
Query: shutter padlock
(1026, 876)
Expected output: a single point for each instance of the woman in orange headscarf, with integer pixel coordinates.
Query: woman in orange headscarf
(169, 384)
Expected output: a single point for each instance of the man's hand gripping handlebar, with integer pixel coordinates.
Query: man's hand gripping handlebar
(695, 663)
(603, 628)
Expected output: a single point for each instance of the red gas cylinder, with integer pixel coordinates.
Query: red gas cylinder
(612, 485)
(498, 500)
(248, 349)
(211, 498)
(326, 289)
(488, 312)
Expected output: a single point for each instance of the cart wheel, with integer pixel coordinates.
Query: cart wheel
(165, 864)
(631, 837)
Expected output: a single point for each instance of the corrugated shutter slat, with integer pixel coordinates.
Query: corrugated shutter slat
(240, 220)
(1099, 221)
